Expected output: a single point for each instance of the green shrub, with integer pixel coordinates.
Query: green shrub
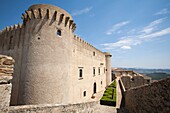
(107, 96)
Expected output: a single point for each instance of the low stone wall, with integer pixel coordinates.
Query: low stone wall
(135, 81)
(89, 107)
(6, 71)
(153, 98)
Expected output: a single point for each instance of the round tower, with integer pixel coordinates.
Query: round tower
(108, 68)
(46, 55)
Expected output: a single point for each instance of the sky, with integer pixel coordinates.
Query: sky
(135, 32)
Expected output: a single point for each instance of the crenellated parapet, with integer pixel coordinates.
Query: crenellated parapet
(11, 28)
(87, 45)
(42, 11)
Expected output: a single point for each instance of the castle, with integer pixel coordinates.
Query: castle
(52, 64)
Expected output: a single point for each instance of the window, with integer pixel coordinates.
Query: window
(80, 73)
(132, 79)
(93, 71)
(93, 53)
(148, 81)
(94, 88)
(99, 70)
(84, 93)
(59, 32)
(38, 38)
(104, 70)
(101, 82)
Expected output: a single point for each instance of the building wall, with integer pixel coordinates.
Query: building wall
(11, 44)
(88, 107)
(6, 71)
(47, 65)
(87, 58)
(130, 82)
(153, 98)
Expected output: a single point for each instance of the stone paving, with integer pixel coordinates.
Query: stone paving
(109, 109)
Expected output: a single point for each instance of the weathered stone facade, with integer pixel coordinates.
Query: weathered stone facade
(6, 71)
(88, 107)
(152, 98)
(53, 65)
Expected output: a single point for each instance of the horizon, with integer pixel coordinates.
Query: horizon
(136, 33)
(143, 68)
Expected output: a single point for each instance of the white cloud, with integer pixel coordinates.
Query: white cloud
(116, 27)
(147, 33)
(126, 47)
(83, 11)
(157, 34)
(130, 41)
(152, 26)
(163, 11)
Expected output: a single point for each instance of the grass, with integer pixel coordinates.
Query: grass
(107, 96)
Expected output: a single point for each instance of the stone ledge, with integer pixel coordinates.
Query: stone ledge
(5, 79)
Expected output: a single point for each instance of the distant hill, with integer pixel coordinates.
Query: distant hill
(155, 74)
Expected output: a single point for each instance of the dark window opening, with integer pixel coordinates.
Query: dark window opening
(59, 32)
(93, 53)
(93, 70)
(101, 82)
(132, 79)
(104, 70)
(94, 88)
(80, 73)
(38, 38)
(84, 93)
(99, 70)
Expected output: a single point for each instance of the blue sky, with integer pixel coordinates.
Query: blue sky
(135, 32)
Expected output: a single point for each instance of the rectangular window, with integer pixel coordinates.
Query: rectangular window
(84, 93)
(93, 71)
(80, 72)
(93, 53)
(104, 70)
(99, 70)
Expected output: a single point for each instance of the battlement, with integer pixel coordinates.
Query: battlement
(43, 11)
(86, 44)
(11, 28)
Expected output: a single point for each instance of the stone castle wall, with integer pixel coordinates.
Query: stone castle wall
(6, 71)
(87, 58)
(88, 107)
(47, 62)
(152, 98)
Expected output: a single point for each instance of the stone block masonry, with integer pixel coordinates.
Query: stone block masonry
(51, 58)
(153, 98)
(88, 107)
(6, 71)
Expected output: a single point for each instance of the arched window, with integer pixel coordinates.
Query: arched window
(59, 32)
(84, 93)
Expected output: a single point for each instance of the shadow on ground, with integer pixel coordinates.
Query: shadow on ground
(122, 108)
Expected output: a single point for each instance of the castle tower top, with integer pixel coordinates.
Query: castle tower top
(51, 7)
(107, 54)
(47, 11)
